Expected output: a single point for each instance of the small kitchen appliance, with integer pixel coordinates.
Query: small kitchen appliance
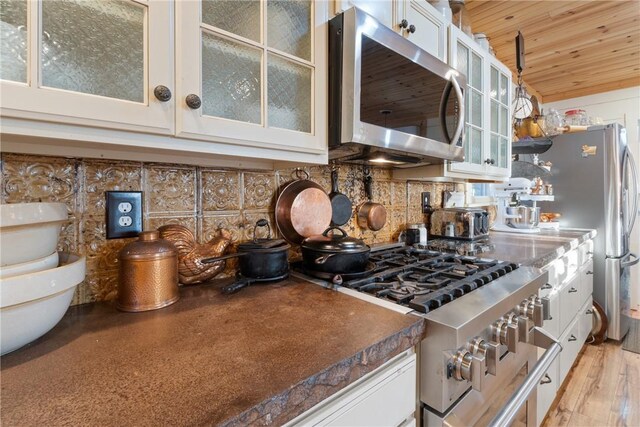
(376, 115)
(459, 223)
(519, 218)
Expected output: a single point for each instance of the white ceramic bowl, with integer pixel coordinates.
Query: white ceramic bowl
(29, 231)
(40, 264)
(31, 304)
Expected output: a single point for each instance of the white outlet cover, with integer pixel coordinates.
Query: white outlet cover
(125, 207)
(125, 221)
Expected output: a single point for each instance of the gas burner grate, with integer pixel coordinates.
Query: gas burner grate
(425, 280)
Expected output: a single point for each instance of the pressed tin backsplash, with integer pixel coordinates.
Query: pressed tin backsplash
(202, 199)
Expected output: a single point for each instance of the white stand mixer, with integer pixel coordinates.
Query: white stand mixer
(521, 189)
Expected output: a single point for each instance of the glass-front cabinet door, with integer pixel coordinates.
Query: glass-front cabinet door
(500, 129)
(253, 72)
(94, 63)
(487, 110)
(470, 61)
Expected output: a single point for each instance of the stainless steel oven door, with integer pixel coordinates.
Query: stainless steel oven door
(507, 399)
(478, 408)
(395, 96)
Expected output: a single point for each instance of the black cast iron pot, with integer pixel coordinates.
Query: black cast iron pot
(260, 259)
(335, 253)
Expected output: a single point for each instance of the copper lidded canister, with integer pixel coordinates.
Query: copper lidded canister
(148, 274)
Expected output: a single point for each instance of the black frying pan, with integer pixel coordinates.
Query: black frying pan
(341, 207)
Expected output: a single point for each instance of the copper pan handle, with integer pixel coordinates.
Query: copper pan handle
(300, 173)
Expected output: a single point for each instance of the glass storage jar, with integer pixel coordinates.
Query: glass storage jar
(576, 118)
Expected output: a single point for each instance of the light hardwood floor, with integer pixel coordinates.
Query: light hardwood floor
(602, 389)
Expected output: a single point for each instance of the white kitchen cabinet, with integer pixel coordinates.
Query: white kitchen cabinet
(570, 294)
(383, 10)
(585, 319)
(88, 63)
(415, 20)
(586, 280)
(571, 346)
(499, 110)
(487, 110)
(101, 80)
(487, 138)
(570, 300)
(547, 389)
(429, 31)
(253, 73)
(385, 397)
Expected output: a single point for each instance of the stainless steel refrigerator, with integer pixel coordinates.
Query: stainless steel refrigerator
(596, 186)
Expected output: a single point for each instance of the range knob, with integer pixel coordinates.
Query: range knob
(536, 309)
(469, 367)
(522, 323)
(490, 352)
(506, 333)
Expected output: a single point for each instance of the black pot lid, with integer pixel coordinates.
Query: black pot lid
(275, 244)
(332, 242)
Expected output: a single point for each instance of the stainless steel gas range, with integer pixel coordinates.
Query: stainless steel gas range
(478, 361)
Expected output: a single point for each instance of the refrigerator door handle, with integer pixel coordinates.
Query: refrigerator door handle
(630, 263)
(634, 178)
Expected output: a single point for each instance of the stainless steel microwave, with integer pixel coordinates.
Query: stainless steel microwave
(390, 102)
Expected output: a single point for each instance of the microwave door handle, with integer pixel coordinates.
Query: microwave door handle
(443, 112)
(460, 96)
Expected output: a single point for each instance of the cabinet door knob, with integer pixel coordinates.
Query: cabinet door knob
(162, 93)
(193, 101)
(589, 311)
(572, 290)
(589, 272)
(490, 161)
(546, 379)
(572, 338)
(411, 29)
(404, 23)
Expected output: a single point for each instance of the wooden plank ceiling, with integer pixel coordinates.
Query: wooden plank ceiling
(573, 48)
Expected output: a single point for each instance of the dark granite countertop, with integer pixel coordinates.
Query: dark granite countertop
(538, 249)
(261, 356)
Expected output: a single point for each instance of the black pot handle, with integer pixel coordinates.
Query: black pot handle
(326, 232)
(334, 180)
(367, 187)
(262, 223)
(322, 259)
(235, 287)
(223, 257)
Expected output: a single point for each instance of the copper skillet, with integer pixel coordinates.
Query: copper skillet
(303, 209)
(371, 215)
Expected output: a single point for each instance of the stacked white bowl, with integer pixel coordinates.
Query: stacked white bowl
(36, 282)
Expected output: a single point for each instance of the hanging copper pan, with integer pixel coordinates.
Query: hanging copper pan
(303, 209)
(371, 215)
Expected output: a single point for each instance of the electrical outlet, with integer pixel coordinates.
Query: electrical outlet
(124, 213)
(426, 202)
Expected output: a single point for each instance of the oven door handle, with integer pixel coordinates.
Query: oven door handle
(509, 411)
